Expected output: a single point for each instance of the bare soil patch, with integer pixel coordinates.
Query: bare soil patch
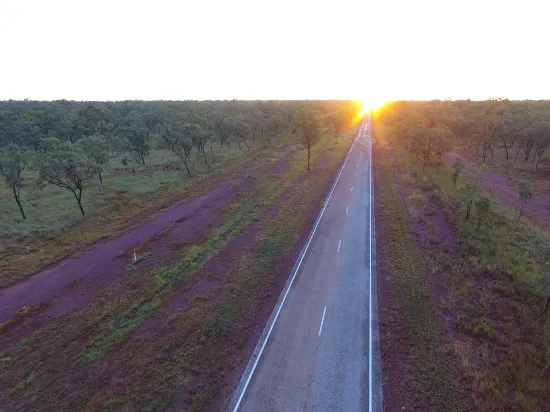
(504, 188)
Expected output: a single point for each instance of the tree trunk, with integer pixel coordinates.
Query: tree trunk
(517, 153)
(521, 210)
(17, 200)
(78, 199)
(100, 177)
(546, 306)
(187, 167)
(469, 208)
(308, 154)
(204, 154)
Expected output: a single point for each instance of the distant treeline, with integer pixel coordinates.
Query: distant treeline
(25, 123)
(67, 142)
(429, 129)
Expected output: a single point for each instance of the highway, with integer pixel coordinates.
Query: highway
(320, 348)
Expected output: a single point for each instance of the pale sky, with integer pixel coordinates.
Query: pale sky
(281, 49)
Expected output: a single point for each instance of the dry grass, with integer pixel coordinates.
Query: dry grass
(431, 377)
(490, 307)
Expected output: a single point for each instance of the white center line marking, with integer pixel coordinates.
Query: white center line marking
(351, 189)
(339, 243)
(347, 210)
(322, 320)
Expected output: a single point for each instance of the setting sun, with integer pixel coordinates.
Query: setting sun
(370, 103)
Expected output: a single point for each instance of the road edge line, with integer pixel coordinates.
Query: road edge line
(242, 386)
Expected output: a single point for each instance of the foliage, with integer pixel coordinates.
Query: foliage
(525, 191)
(13, 161)
(483, 204)
(66, 166)
(307, 127)
(97, 149)
(458, 166)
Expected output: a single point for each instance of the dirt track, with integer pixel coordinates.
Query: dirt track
(72, 282)
(104, 261)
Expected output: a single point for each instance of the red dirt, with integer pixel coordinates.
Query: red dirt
(71, 283)
(537, 209)
(106, 260)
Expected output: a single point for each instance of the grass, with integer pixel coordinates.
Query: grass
(153, 358)
(431, 376)
(54, 227)
(491, 306)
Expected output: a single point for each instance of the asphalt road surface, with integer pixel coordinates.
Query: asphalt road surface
(320, 348)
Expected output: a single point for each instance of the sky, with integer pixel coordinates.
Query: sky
(285, 49)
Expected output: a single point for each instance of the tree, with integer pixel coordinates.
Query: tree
(458, 166)
(116, 146)
(470, 191)
(177, 138)
(483, 204)
(307, 128)
(68, 167)
(525, 191)
(199, 137)
(240, 130)
(13, 160)
(542, 285)
(136, 132)
(97, 149)
(340, 120)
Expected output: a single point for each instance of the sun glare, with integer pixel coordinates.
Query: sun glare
(370, 103)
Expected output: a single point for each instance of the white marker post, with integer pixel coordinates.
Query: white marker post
(135, 257)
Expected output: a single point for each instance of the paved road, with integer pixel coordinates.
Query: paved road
(316, 352)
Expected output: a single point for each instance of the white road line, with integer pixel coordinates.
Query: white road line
(322, 320)
(339, 243)
(347, 208)
(351, 189)
(303, 254)
(370, 278)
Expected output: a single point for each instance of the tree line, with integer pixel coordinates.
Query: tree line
(68, 143)
(429, 129)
